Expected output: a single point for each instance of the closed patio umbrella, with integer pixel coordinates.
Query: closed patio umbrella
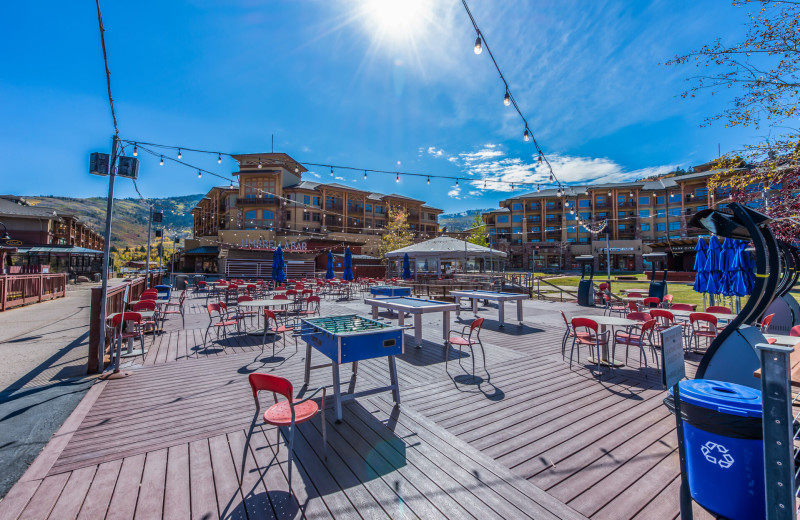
(714, 282)
(406, 267)
(728, 265)
(329, 268)
(278, 273)
(700, 259)
(348, 265)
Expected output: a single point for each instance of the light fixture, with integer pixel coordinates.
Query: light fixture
(259, 162)
(512, 186)
(631, 194)
(219, 158)
(507, 98)
(572, 212)
(538, 188)
(541, 157)
(478, 46)
(365, 174)
(296, 169)
(609, 193)
(135, 150)
(552, 177)
(180, 155)
(199, 174)
(162, 161)
(331, 171)
(484, 184)
(456, 181)
(527, 135)
(429, 180)
(397, 179)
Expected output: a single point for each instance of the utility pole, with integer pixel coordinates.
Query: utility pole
(147, 261)
(107, 255)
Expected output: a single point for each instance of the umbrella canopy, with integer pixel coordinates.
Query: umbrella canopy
(714, 285)
(745, 273)
(701, 255)
(329, 268)
(728, 266)
(348, 265)
(406, 267)
(701, 281)
(278, 266)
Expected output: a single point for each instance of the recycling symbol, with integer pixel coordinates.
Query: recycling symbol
(717, 454)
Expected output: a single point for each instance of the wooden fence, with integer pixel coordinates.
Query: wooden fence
(114, 303)
(22, 289)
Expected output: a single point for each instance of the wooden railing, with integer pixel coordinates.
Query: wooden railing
(22, 289)
(114, 303)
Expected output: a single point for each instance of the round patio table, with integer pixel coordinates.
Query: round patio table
(603, 322)
(260, 304)
(685, 315)
(781, 339)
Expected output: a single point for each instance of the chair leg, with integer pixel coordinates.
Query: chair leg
(291, 454)
(564, 344)
(572, 349)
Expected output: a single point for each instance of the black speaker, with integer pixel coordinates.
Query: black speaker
(99, 163)
(128, 167)
(158, 216)
(159, 233)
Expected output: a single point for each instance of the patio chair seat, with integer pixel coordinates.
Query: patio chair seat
(280, 414)
(705, 333)
(455, 340)
(224, 323)
(584, 338)
(281, 328)
(628, 339)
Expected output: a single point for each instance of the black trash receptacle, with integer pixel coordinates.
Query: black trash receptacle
(722, 433)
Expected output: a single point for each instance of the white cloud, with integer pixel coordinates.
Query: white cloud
(339, 178)
(436, 152)
(314, 174)
(455, 193)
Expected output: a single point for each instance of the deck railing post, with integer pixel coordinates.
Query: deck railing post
(777, 429)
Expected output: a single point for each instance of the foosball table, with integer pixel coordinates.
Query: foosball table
(350, 339)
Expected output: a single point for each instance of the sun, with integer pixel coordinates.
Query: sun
(397, 19)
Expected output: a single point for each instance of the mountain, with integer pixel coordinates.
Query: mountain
(460, 221)
(130, 216)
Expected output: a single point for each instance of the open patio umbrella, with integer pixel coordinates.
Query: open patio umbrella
(329, 268)
(348, 265)
(700, 259)
(278, 273)
(714, 281)
(406, 267)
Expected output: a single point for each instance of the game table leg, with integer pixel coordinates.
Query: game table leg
(501, 311)
(337, 397)
(401, 318)
(458, 306)
(519, 311)
(475, 306)
(393, 377)
(374, 312)
(308, 364)
(418, 330)
(445, 325)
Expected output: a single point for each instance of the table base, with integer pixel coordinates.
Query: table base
(605, 362)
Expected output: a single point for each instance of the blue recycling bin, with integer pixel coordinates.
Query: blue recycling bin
(164, 291)
(724, 447)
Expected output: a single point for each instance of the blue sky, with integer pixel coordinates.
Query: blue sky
(336, 82)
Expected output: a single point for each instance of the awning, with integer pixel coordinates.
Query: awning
(203, 250)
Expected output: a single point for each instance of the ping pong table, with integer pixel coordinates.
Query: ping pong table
(499, 297)
(416, 307)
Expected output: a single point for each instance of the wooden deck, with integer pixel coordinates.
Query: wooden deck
(533, 438)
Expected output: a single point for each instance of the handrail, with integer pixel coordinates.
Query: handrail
(22, 289)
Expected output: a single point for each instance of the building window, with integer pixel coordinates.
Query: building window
(584, 203)
(674, 197)
(250, 215)
(661, 226)
(570, 239)
(550, 228)
(660, 213)
(701, 193)
(644, 213)
(306, 216)
(535, 240)
(570, 216)
(621, 227)
(306, 199)
(601, 200)
(535, 229)
(659, 199)
(517, 218)
(268, 215)
(586, 216)
(516, 230)
(645, 227)
(368, 207)
(492, 231)
(551, 239)
(516, 206)
(288, 215)
(535, 205)
(503, 219)
(571, 229)
(316, 217)
(674, 212)
(550, 204)
(674, 225)
(583, 239)
(316, 201)
(551, 216)
(644, 201)
(621, 199)
(701, 208)
(602, 215)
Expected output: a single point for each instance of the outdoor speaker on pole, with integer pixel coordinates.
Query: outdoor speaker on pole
(99, 163)
(128, 167)
(158, 217)
(159, 233)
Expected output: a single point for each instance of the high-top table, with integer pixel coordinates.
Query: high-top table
(260, 304)
(416, 307)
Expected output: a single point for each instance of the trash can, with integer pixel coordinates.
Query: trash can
(164, 291)
(724, 447)
(181, 281)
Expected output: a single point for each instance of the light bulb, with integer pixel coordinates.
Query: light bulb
(135, 150)
(219, 158)
(180, 155)
(429, 180)
(397, 179)
(478, 46)
(552, 177)
(296, 169)
(484, 184)
(512, 186)
(527, 135)
(365, 174)
(199, 174)
(259, 162)
(541, 157)
(331, 171)
(538, 188)
(456, 182)
(162, 161)
(507, 99)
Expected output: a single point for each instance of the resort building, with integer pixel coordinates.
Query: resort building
(540, 230)
(46, 240)
(274, 205)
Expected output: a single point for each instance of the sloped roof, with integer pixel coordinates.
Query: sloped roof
(12, 209)
(444, 247)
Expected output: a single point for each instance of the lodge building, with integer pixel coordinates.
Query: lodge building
(236, 228)
(540, 230)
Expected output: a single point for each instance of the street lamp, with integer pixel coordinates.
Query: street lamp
(5, 236)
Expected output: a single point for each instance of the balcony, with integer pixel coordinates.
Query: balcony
(253, 201)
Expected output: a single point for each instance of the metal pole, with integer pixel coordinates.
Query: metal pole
(107, 256)
(608, 262)
(161, 251)
(147, 261)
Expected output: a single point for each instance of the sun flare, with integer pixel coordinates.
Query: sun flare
(397, 19)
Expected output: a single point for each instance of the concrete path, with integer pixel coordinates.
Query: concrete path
(43, 348)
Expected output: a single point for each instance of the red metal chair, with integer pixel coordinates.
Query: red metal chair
(591, 338)
(682, 307)
(702, 325)
(764, 327)
(666, 301)
(664, 319)
(277, 329)
(132, 331)
(288, 413)
(149, 294)
(221, 323)
(611, 308)
(642, 338)
(634, 295)
(633, 307)
(638, 316)
(568, 334)
(147, 306)
(795, 331)
(312, 306)
(651, 302)
(235, 316)
(718, 309)
(465, 339)
(243, 313)
(283, 311)
(169, 311)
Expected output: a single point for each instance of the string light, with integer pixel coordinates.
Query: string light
(259, 162)
(429, 180)
(162, 161)
(397, 179)
(135, 150)
(331, 171)
(457, 183)
(507, 98)
(538, 188)
(527, 135)
(478, 46)
(541, 157)
(199, 174)
(219, 158)
(365, 174)
(180, 155)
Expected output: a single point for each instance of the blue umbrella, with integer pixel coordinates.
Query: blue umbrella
(329, 268)
(712, 267)
(728, 266)
(278, 266)
(406, 267)
(701, 255)
(348, 265)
